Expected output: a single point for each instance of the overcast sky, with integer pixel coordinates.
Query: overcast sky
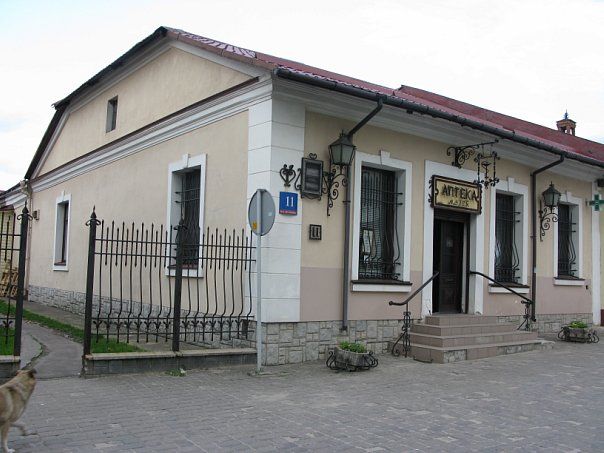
(532, 59)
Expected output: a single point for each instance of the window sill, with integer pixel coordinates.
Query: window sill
(520, 289)
(569, 281)
(62, 267)
(381, 286)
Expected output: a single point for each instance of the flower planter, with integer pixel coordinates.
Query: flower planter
(340, 359)
(578, 334)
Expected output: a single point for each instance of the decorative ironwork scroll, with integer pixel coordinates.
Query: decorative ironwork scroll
(484, 161)
(327, 182)
(547, 216)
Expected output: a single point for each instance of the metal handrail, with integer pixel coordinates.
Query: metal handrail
(416, 292)
(406, 327)
(525, 300)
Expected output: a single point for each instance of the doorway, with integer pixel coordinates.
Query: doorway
(450, 231)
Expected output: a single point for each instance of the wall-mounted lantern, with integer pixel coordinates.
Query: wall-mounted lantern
(551, 199)
(341, 152)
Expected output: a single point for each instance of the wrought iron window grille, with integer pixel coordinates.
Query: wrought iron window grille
(567, 255)
(507, 259)
(189, 213)
(379, 245)
(486, 162)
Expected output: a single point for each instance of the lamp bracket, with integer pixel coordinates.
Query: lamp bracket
(547, 216)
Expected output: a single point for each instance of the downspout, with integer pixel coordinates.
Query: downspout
(346, 270)
(534, 231)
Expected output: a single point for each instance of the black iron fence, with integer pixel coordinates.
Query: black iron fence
(13, 251)
(153, 284)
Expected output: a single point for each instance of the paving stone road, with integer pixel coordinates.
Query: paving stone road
(536, 401)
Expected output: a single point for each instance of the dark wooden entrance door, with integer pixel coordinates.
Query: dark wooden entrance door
(448, 260)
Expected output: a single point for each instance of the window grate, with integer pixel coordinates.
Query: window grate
(567, 255)
(189, 212)
(379, 245)
(507, 260)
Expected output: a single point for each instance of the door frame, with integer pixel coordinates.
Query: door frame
(476, 230)
(464, 219)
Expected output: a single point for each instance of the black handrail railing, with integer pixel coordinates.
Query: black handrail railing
(416, 292)
(528, 303)
(406, 328)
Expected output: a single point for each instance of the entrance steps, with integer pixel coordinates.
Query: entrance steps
(446, 338)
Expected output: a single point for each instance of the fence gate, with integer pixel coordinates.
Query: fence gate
(150, 284)
(13, 252)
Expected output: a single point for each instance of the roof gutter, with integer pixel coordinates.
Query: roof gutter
(425, 110)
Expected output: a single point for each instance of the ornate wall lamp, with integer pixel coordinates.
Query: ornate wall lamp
(551, 199)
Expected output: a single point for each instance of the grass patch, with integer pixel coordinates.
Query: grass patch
(7, 344)
(102, 345)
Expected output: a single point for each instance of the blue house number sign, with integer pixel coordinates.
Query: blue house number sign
(288, 203)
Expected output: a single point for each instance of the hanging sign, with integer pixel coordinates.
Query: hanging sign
(455, 195)
(288, 203)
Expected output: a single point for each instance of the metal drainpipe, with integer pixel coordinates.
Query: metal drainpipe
(346, 264)
(534, 231)
(346, 271)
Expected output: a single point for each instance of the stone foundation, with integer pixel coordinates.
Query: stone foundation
(290, 342)
(72, 301)
(550, 323)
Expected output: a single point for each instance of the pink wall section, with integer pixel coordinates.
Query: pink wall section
(321, 298)
(551, 299)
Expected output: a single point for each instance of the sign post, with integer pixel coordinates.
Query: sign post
(261, 216)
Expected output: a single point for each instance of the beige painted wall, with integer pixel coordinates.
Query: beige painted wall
(135, 189)
(166, 84)
(322, 260)
(601, 216)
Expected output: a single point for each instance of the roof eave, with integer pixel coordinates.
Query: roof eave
(436, 113)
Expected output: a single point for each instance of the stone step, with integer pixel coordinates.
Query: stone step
(450, 341)
(459, 320)
(463, 329)
(434, 354)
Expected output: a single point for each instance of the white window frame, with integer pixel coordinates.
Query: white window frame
(404, 174)
(173, 210)
(520, 194)
(61, 200)
(577, 205)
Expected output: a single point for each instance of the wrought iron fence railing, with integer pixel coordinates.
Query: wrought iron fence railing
(13, 252)
(152, 284)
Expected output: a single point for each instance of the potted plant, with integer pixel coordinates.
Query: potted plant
(578, 331)
(351, 356)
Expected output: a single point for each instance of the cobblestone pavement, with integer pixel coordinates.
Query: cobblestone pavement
(550, 401)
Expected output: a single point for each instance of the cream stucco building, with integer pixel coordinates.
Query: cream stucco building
(177, 102)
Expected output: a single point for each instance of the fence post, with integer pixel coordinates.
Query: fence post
(24, 217)
(177, 287)
(92, 223)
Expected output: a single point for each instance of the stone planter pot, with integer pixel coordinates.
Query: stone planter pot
(578, 335)
(340, 359)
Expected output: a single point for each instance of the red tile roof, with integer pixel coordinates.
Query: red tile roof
(569, 143)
